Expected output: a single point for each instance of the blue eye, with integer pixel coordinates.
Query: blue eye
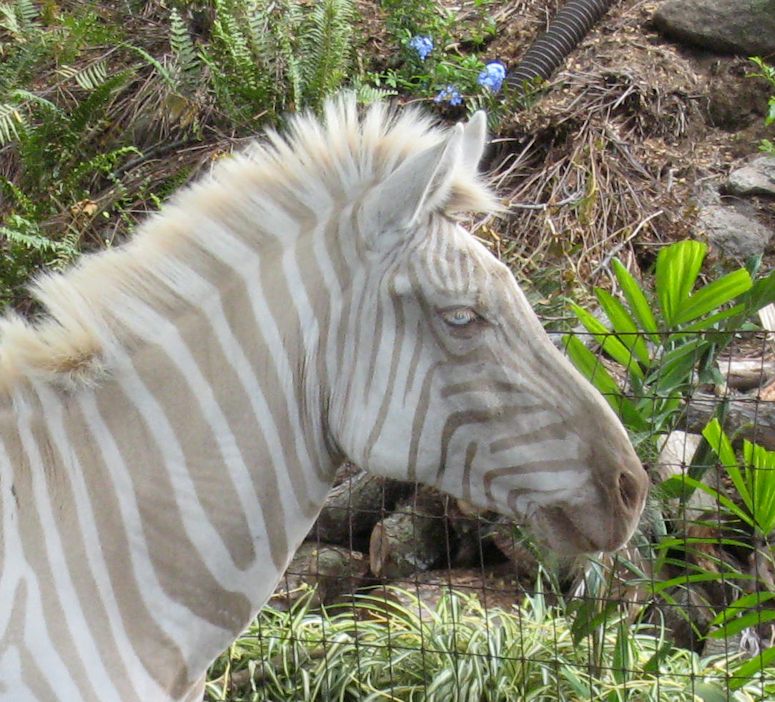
(459, 317)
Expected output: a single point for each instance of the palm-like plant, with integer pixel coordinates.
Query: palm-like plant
(665, 340)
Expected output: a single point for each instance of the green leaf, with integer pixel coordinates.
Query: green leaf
(659, 586)
(709, 322)
(678, 266)
(760, 479)
(719, 442)
(652, 664)
(624, 325)
(713, 295)
(675, 487)
(682, 542)
(735, 626)
(636, 299)
(754, 599)
(743, 674)
(580, 687)
(590, 367)
(723, 500)
(709, 692)
(590, 615)
(674, 368)
(622, 663)
(609, 342)
(763, 292)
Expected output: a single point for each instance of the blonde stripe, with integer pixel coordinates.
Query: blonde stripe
(98, 567)
(13, 687)
(98, 676)
(177, 621)
(178, 353)
(224, 246)
(210, 547)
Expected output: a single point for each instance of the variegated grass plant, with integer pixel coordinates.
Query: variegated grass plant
(375, 649)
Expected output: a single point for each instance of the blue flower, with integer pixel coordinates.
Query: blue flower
(423, 45)
(492, 76)
(449, 94)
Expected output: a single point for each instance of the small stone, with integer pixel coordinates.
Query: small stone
(755, 178)
(734, 233)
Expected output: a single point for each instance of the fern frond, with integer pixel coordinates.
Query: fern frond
(67, 250)
(17, 197)
(367, 94)
(160, 68)
(27, 12)
(27, 234)
(187, 65)
(239, 75)
(93, 108)
(18, 18)
(25, 96)
(11, 120)
(326, 48)
(89, 78)
(103, 163)
(288, 63)
(259, 14)
(9, 21)
(238, 47)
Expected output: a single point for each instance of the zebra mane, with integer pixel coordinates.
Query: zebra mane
(74, 343)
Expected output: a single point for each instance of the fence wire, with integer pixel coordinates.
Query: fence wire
(402, 593)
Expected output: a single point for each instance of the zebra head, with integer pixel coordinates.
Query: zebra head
(449, 378)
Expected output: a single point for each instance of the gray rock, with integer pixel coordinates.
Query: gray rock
(755, 178)
(728, 26)
(736, 234)
(707, 193)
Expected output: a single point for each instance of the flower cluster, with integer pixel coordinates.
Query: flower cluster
(451, 95)
(492, 76)
(423, 45)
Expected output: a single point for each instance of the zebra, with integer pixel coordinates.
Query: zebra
(173, 419)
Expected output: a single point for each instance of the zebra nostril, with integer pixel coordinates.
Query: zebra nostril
(629, 490)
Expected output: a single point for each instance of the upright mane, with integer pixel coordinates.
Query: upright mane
(315, 164)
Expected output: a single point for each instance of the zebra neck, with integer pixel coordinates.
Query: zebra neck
(180, 485)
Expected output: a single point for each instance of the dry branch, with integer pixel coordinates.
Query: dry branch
(333, 570)
(748, 417)
(746, 373)
(413, 538)
(507, 541)
(355, 505)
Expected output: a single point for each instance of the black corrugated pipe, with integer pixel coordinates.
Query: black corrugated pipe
(569, 26)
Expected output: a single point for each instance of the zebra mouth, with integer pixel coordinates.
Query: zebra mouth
(561, 533)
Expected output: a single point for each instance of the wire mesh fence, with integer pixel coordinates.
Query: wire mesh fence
(402, 593)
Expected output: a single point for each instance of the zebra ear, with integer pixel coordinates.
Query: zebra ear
(474, 139)
(421, 182)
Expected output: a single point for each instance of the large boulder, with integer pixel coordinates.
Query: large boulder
(728, 26)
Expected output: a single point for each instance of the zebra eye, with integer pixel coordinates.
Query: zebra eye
(459, 317)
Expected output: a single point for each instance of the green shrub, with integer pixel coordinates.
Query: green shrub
(266, 58)
(56, 161)
(752, 505)
(430, 61)
(667, 342)
(768, 73)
